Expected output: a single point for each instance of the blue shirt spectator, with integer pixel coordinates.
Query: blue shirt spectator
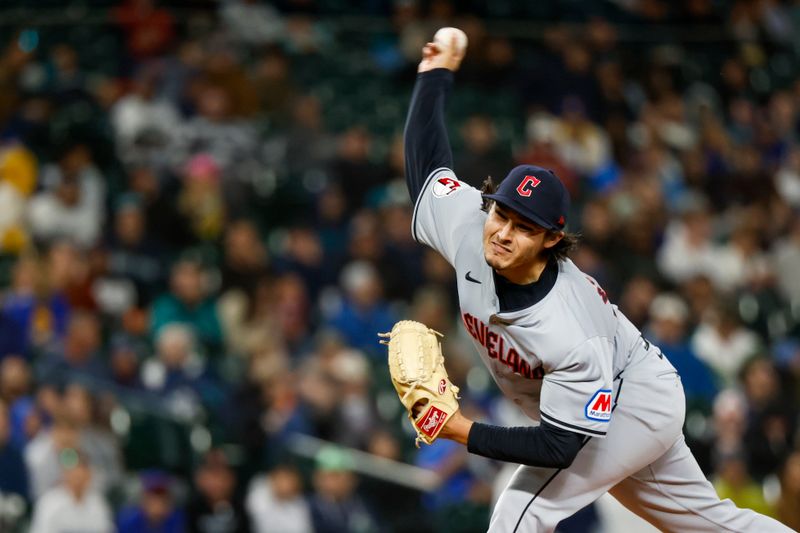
(14, 478)
(363, 313)
(156, 511)
(38, 319)
(78, 356)
(11, 341)
(449, 459)
(666, 329)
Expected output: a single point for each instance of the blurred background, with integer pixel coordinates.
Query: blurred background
(204, 223)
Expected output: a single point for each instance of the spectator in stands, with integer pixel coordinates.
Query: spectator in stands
(250, 320)
(15, 475)
(688, 249)
(43, 453)
(636, 299)
(366, 239)
(12, 342)
(125, 358)
(217, 132)
(275, 502)
(275, 86)
(734, 482)
(73, 505)
(308, 146)
(224, 70)
(336, 383)
(396, 505)
(771, 422)
(363, 311)
(788, 510)
(215, 506)
(304, 255)
(80, 354)
(431, 306)
(39, 314)
(16, 392)
(18, 174)
(72, 203)
(200, 199)
(359, 416)
(723, 343)
(741, 263)
(786, 262)
(335, 504)
(699, 293)
(63, 75)
(729, 424)
(787, 179)
(483, 154)
(97, 442)
(144, 123)
(165, 225)
(13, 60)
(180, 69)
(580, 143)
(252, 23)
(131, 254)
(292, 310)
(179, 375)
(353, 169)
(189, 302)
(401, 250)
(542, 149)
(449, 462)
(149, 29)
(245, 260)
(155, 512)
(282, 412)
(69, 273)
(669, 317)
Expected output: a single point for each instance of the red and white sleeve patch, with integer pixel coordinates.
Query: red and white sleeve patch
(445, 186)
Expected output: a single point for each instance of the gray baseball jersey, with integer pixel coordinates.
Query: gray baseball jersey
(556, 360)
(564, 360)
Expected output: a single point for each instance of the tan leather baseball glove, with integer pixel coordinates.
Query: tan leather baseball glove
(419, 377)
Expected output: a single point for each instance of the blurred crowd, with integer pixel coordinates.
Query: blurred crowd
(204, 224)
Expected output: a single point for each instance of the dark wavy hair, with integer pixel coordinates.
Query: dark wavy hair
(568, 243)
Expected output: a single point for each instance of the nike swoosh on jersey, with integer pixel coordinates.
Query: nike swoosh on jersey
(470, 278)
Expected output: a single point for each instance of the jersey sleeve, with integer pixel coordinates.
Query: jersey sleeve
(577, 394)
(446, 211)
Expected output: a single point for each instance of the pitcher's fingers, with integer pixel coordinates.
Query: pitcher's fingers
(430, 50)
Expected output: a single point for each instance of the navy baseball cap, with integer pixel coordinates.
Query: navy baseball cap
(536, 194)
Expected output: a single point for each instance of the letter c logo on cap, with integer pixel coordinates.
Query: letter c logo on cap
(525, 187)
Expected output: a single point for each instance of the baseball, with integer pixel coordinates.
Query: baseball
(444, 37)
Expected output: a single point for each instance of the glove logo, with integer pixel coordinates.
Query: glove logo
(599, 407)
(432, 421)
(442, 386)
(445, 186)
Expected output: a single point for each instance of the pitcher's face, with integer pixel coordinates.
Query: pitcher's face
(512, 244)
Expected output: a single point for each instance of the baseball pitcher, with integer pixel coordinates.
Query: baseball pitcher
(610, 406)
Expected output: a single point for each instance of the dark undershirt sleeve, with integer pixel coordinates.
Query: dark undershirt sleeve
(427, 146)
(543, 446)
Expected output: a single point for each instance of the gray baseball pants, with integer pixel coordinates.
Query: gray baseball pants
(643, 462)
